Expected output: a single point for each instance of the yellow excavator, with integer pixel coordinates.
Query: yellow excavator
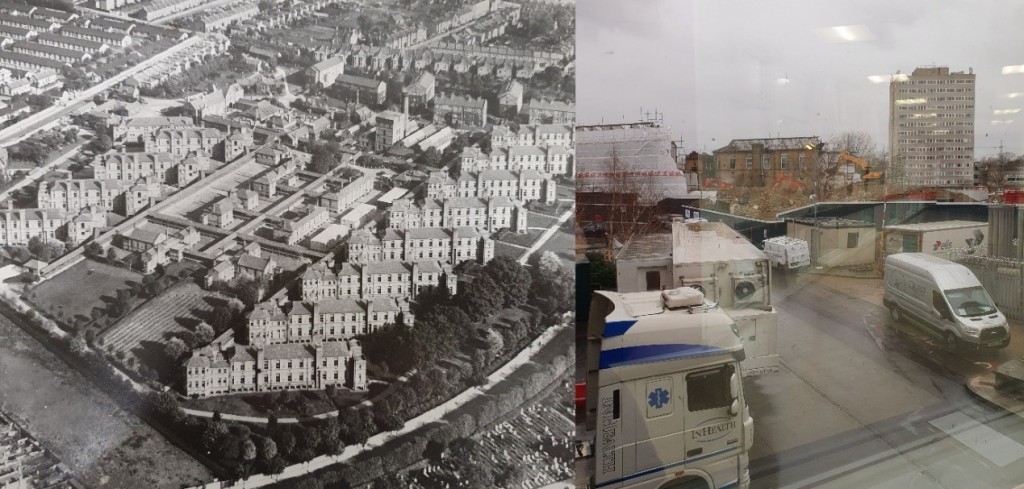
(864, 166)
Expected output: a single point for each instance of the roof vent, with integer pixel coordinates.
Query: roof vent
(682, 297)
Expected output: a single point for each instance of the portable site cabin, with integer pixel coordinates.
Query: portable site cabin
(937, 238)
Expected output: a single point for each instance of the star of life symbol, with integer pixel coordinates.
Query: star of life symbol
(658, 398)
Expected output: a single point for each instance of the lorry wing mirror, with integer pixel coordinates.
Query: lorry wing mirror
(734, 386)
(734, 408)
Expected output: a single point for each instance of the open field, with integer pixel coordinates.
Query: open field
(144, 332)
(103, 445)
(76, 291)
(536, 220)
(505, 249)
(526, 239)
(563, 244)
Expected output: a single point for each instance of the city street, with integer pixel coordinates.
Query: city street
(861, 402)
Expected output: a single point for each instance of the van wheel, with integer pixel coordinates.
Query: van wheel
(951, 342)
(896, 314)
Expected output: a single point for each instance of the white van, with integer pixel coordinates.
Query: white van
(787, 253)
(944, 297)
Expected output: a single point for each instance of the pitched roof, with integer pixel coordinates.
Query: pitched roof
(253, 262)
(772, 144)
(343, 305)
(427, 233)
(385, 266)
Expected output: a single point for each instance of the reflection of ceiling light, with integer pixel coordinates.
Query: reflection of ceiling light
(1005, 111)
(846, 33)
(1007, 121)
(911, 101)
(1013, 69)
(900, 77)
(782, 81)
(1014, 94)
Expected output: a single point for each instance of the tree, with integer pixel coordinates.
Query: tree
(174, 349)
(36, 246)
(996, 171)
(621, 201)
(165, 404)
(276, 465)
(549, 262)
(513, 277)
(249, 293)
(285, 441)
(360, 426)
(267, 448)
(103, 143)
(431, 158)
(93, 249)
(213, 433)
(248, 450)
(204, 334)
(482, 299)
(389, 481)
(111, 253)
(122, 303)
(221, 320)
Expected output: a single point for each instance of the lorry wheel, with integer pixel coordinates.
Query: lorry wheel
(896, 314)
(951, 342)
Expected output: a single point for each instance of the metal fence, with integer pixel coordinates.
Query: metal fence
(1003, 278)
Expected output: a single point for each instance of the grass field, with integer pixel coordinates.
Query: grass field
(76, 291)
(535, 220)
(104, 445)
(563, 244)
(526, 239)
(505, 249)
(145, 330)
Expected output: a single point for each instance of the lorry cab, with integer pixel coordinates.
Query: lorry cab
(664, 398)
(946, 298)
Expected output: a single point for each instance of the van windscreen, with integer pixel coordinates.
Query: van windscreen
(969, 302)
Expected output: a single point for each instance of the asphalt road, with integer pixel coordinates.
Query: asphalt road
(864, 402)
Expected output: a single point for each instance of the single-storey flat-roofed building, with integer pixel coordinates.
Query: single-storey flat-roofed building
(836, 242)
(28, 62)
(119, 39)
(50, 52)
(62, 41)
(329, 236)
(360, 89)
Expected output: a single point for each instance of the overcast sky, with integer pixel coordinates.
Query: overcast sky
(726, 69)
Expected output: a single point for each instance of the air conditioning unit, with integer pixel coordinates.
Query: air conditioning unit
(707, 285)
(748, 288)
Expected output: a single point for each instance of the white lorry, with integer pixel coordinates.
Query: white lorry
(944, 297)
(787, 253)
(664, 399)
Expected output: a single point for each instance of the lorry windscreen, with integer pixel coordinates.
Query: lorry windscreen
(969, 302)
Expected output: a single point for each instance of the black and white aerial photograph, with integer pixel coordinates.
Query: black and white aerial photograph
(312, 244)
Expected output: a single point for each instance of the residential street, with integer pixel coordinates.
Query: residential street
(41, 119)
(861, 403)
